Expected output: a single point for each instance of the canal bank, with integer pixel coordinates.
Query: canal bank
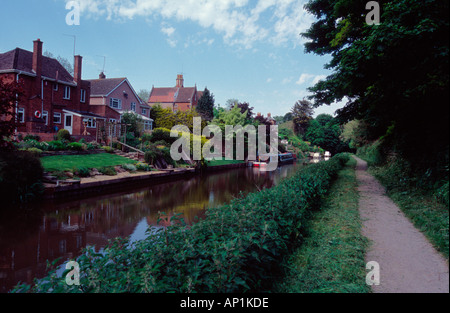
(104, 183)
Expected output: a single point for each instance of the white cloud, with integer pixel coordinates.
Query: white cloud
(311, 78)
(240, 22)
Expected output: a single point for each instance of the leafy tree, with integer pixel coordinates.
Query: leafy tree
(9, 93)
(144, 94)
(245, 108)
(288, 117)
(63, 61)
(205, 105)
(393, 75)
(134, 123)
(324, 131)
(302, 113)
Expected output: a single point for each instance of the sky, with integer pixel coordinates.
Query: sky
(249, 50)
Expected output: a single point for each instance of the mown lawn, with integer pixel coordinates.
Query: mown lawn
(74, 162)
(222, 162)
(331, 258)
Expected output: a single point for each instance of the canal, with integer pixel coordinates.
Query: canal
(50, 230)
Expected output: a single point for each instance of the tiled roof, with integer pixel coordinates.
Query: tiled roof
(171, 95)
(22, 60)
(102, 87)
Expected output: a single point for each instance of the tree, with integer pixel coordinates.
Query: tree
(245, 108)
(205, 105)
(144, 94)
(302, 113)
(324, 131)
(63, 61)
(9, 94)
(135, 123)
(393, 75)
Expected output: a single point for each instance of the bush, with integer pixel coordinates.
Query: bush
(129, 167)
(442, 194)
(63, 134)
(142, 167)
(159, 134)
(20, 176)
(32, 137)
(83, 172)
(76, 146)
(35, 151)
(108, 149)
(56, 145)
(238, 247)
(92, 146)
(107, 170)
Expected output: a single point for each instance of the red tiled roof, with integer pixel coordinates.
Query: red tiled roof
(22, 60)
(171, 95)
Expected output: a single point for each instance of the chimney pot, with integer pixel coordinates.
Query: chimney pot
(102, 75)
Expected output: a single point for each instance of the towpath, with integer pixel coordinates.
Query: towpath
(408, 262)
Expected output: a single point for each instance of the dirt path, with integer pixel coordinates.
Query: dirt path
(408, 262)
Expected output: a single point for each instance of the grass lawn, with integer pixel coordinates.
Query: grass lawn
(331, 258)
(222, 162)
(71, 162)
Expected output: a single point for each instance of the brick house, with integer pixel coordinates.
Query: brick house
(178, 98)
(53, 99)
(112, 97)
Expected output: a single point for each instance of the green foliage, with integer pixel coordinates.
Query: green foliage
(135, 123)
(107, 170)
(301, 116)
(76, 146)
(238, 247)
(389, 73)
(142, 167)
(83, 172)
(205, 105)
(57, 145)
(153, 154)
(325, 131)
(20, 176)
(32, 137)
(108, 149)
(332, 257)
(129, 167)
(63, 134)
(35, 151)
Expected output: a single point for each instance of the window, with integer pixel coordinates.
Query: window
(144, 111)
(90, 122)
(68, 121)
(115, 103)
(55, 87)
(57, 118)
(133, 106)
(83, 96)
(67, 93)
(148, 125)
(21, 115)
(45, 117)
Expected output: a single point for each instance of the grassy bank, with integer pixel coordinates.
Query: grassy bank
(75, 162)
(331, 259)
(238, 247)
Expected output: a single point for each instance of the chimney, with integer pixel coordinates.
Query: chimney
(37, 57)
(180, 81)
(102, 76)
(77, 69)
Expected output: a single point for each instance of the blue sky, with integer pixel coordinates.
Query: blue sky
(248, 50)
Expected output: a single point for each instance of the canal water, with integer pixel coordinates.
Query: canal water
(49, 230)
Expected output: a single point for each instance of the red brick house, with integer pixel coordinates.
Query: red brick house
(112, 97)
(178, 98)
(53, 99)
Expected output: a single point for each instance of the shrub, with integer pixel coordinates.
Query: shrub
(76, 146)
(92, 146)
(20, 176)
(35, 151)
(442, 194)
(159, 134)
(83, 172)
(63, 134)
(33, 137)
(107, 170)
(238, 247)
(56, 145)
(142, 167)
(129, 167)
(108, 149)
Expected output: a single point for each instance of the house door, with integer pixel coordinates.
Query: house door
(68, 121)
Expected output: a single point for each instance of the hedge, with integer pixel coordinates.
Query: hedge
(238, 247)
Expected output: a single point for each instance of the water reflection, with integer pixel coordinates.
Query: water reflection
(47, 231)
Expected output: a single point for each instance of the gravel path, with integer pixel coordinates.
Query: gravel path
(408, 262)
